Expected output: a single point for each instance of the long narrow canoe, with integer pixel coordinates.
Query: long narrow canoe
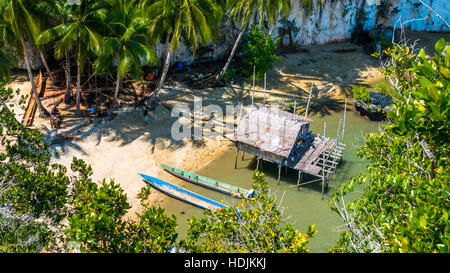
(208, 183)
(183, 194)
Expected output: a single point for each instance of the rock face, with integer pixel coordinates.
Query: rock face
(335, 21)
(35, 58)
(376, 108)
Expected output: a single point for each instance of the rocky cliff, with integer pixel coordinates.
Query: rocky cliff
(335, 20)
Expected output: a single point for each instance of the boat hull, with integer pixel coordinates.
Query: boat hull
(203, 184)
(183, 194)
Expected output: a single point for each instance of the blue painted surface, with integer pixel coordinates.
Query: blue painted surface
(158, 182)
(407, 10)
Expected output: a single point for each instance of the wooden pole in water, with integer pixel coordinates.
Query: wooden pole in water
(299, 179)
(295, 106)
(309, 99)
(243, 154)
(279, 173)
(257, 162)
(343, 126)
(323, 184)
(324, 128)
(235, 160)
(338, 131)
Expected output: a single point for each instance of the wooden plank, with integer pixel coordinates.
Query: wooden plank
(316, 152)
(32, 105)
(327, 171)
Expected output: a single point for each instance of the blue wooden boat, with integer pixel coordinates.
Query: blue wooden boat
(210, 183)
(183, 194)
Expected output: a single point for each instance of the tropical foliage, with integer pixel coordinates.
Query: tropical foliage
(360, 93)
(405, 202)
(242, 11)
(8, 62)
(172, 20)
(258, 53)
(252, 226)
(20, 25)
(126, 41)
(78, 33)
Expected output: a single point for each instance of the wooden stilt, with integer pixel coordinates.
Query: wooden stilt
(243, 155)
(235, 160)
(257, 163)
(309, 99)
(323, 184)
(338, 131)
(343, 126)
(299, 179)
(279, 173)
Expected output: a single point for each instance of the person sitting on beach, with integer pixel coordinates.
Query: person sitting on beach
(55, 110)
(146, 115)
(54, 121)
(67, 97)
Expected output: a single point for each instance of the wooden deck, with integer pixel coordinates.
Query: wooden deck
(309, 163)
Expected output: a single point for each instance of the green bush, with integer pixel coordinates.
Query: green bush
(360, 93)
(229, 75)
(259, 53)
(383, 88)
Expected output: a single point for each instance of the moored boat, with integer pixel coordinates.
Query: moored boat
(183, 194)
(209, 183)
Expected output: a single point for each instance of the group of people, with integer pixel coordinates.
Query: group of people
(55, 118)
(55, 115)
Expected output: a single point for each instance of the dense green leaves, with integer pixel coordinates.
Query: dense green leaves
(405, 202)
(33, 192)
(259, 54)
(360, 93)
(253, 226)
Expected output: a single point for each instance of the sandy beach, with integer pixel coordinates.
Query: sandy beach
(122, 146)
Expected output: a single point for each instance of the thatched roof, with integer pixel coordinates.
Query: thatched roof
(270, 129)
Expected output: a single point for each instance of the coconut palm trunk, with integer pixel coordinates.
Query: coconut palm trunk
(118, 87)
(164, 72)
(233, 51)
(41, 108)
(68, 79)
(78, 96)
(44, 61)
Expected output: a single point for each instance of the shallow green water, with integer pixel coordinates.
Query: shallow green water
(305, 207)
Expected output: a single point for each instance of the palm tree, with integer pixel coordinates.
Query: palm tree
(172, 19)
(19, 24)
(128, 43)
(79, 34)
(242, 11)
(8, 62)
